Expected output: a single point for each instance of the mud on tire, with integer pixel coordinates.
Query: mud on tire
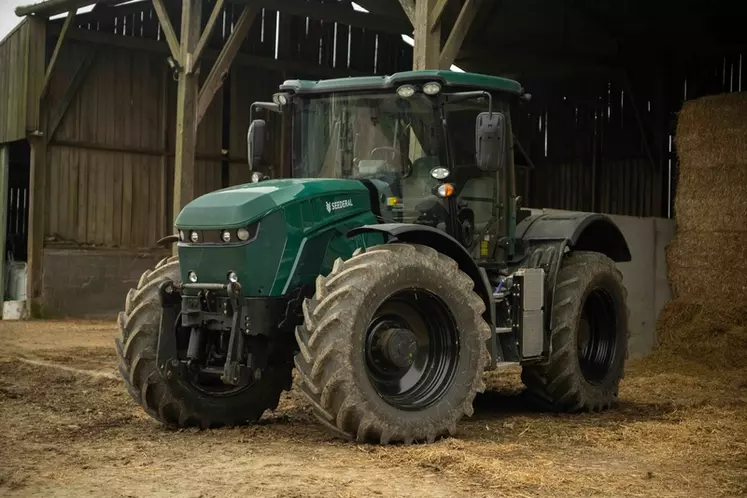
(332, 362)
(589, 338)
(176, 402)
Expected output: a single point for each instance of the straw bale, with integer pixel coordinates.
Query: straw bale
(712, 131)
(713, 199)
(709, 268)
(716, 336)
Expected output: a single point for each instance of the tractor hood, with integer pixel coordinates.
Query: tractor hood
(238, 206)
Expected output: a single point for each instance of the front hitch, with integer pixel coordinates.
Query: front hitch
(235, 370)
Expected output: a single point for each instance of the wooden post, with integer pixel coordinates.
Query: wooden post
(186, 109)
(427, 49)
(37, 196)
(4, 167)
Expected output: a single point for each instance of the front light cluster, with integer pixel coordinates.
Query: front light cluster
(242, 234)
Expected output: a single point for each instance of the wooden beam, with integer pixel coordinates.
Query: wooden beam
(60, 39)
(168, 29)
(438, 11)
(221, 67)
(72, 90)
(50, 8)
(427, 41)
(458, 33)
(186, 110)
(409, 7)
(205, 36)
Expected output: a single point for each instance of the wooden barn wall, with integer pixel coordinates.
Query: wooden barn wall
(111, 161)
(606, 144)
(13, 82)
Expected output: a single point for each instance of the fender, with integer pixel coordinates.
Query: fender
(546, 238)
(580, 231)
(445, 244)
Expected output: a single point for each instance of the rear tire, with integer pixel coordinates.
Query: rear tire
(176, 402)
(351, 388)
(589, 338)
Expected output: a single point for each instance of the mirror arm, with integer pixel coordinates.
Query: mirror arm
(268, 106)
(462, 96)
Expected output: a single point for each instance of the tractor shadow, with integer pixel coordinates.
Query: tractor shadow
(494, 405)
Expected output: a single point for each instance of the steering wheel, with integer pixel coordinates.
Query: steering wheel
(403, 160)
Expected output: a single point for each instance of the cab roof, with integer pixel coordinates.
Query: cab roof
(446, 78)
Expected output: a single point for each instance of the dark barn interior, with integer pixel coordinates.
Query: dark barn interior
(97, 97)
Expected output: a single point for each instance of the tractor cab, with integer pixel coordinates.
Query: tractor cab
(434, 147)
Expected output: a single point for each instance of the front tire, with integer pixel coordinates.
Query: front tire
(358, 384)
(177, 402)
(589, 338)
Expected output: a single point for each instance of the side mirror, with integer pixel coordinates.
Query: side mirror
(490, 141)
(255, 142)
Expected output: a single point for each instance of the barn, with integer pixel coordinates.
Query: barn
(114, 114)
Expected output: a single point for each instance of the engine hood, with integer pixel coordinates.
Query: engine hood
(244, 204)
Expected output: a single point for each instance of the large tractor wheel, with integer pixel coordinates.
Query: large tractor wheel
(183, 402)
(393, 345)
(589, 338)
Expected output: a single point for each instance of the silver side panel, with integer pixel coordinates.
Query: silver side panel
(532, 295)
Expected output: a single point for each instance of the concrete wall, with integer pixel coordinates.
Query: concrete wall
(645, 276)
(87, 283)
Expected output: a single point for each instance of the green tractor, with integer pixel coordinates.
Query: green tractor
(391, 270)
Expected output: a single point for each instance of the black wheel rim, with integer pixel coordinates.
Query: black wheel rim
(597, 336)
(412, 349)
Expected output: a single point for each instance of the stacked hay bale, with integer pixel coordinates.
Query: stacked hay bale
(707, 260)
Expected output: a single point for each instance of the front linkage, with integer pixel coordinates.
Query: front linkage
(215, 309)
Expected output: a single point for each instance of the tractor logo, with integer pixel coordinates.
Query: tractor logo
(336, 205)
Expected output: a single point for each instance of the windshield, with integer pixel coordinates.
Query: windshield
(395, 143)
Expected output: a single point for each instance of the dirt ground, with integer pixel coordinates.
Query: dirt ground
(70, 429)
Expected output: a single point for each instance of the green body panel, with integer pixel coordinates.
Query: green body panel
(302, 230)
(446, 78)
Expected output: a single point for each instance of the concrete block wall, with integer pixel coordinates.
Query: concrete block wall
(91, 283)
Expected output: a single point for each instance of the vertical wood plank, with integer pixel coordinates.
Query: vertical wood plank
(4, 169)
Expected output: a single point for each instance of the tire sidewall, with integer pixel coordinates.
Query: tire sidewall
(383, 283)
(603, 277)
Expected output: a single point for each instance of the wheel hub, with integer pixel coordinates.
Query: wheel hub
(392, 347)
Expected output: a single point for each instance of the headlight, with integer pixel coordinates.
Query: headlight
(232, 277)
(194, 237)
(181, 235)
(406, 91)
(226, 236)
(439, 173)
(242, 234)
(431, 88)
(192, 277)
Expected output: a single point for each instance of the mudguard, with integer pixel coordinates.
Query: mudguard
(448, 245)
(546, 237)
